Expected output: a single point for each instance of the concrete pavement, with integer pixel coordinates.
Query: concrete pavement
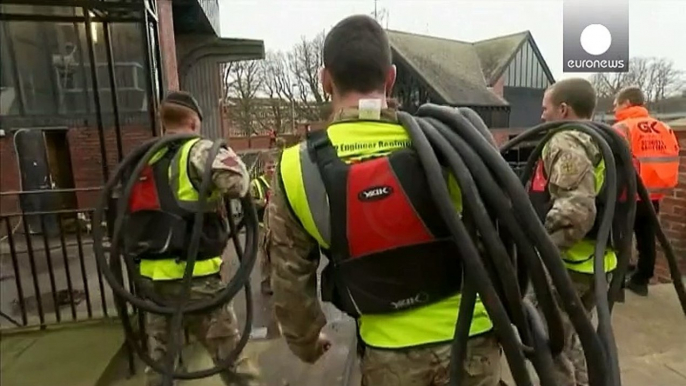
(651, 334)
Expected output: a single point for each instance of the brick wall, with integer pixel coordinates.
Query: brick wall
(86, 161)
(673, 218)
(258, 142)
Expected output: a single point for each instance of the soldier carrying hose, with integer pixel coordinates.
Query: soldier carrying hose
(162, 205)
(564, 190)
(358, 192)
(260, 191)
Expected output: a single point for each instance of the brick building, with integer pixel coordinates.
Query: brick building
(55, 135)
(673, 209)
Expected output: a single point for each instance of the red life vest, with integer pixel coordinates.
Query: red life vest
(389, 249)
(159, 227)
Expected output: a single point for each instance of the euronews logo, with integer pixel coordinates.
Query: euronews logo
(596, 36)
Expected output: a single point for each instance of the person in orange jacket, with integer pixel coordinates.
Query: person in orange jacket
(655, 149)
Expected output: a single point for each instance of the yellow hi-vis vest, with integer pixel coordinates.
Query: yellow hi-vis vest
(431, 323)
(579, 258)
(187, 197)
(261, 184)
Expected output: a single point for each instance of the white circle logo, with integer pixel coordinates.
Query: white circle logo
(596, 39)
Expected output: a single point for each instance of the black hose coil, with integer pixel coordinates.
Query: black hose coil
(109, 263)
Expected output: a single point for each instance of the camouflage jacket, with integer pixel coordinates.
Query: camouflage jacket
(569, 160)
(229, 173)
(295, 257)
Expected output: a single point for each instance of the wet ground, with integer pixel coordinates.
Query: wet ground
(651, 335)
(47, 279)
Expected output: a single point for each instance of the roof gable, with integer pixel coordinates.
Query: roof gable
(496, 53)
(461, 72)
(452, 68)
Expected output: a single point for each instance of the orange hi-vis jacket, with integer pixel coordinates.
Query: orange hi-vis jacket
(655, 149)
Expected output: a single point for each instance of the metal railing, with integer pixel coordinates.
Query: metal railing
(50, 274)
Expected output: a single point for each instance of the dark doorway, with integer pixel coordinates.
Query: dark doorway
(60, 167)
(45, 166)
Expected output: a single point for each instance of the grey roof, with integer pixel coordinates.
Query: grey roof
(452, 68)
(678, 124)
(460, 72)
(495, 53)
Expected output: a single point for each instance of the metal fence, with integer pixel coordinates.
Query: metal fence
(48, 272)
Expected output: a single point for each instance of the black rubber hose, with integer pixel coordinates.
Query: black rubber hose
(613, 147)
(609, 198)
(624, 229)
(504, 270)
(667, 248)
(542, 357)
(151, 303)
(470, 255)
(495, 199)
(458, 347)
(537, 234)
(447, 134)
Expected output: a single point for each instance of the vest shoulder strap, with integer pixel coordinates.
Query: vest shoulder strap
(305, 193)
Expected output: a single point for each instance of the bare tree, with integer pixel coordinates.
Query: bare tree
(657, 77)
(242, 83)
(668, 80)
(276, 85)
(304, 62)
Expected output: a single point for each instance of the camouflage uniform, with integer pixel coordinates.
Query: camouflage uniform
(217, 330)
(569, 159)
(265, 265)
(295, 258)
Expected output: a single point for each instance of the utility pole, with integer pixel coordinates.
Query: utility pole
(376, 15)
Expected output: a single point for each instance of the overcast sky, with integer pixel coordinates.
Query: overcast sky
(656, 26)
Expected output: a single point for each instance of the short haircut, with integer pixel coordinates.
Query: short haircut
(357, 54)
(577, 93)
(633, 95)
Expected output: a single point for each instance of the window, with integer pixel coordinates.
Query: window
(55, 71)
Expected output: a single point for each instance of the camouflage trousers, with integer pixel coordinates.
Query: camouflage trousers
(216, 330)
(570, 365)
(430, 366)
(265, 261)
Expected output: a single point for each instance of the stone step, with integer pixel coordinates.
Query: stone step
(71, 355)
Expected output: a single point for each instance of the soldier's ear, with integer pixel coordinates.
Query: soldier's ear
(564, 110)
(327, 82)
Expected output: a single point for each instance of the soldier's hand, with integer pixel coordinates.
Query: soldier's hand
(322, 345)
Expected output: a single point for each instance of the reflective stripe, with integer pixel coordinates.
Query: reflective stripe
(264, 181)
(294, 188)
(315, 193)
(260, 193)
(185, 193)
(666, 159)
(170, 269)
(579, 258)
